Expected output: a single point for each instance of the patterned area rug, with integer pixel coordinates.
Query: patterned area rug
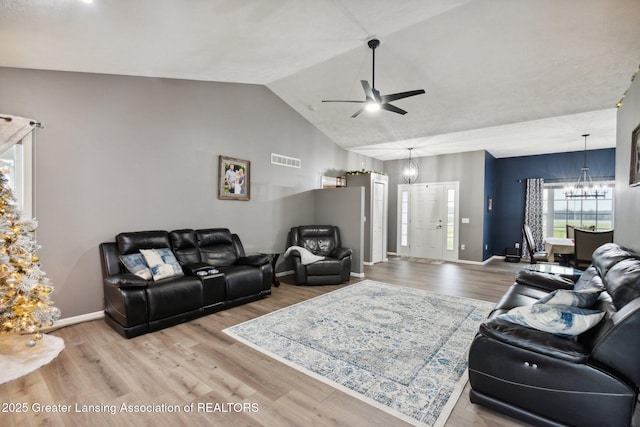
(400, 349)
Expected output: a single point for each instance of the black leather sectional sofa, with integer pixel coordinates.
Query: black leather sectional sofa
(135, 306)
(542, 378)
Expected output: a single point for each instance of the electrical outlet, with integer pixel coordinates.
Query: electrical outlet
(517, 245)
(462, 247)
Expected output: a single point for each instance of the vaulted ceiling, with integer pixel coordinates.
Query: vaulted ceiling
(514, 77)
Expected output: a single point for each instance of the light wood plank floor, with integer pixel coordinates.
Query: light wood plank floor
(196, 363)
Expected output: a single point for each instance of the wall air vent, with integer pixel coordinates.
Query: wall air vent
(290, 162)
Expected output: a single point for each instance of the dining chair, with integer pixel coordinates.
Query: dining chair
(571, 228)
(534, 256)
(570, 231)
(585, 243)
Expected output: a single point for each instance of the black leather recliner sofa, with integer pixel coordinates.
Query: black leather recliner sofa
(321, 240)
(135, 306)
(591, 379)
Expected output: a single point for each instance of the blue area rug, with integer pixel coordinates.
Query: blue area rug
(400, 349)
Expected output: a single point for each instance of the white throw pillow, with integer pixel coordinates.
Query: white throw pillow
(556, 319)
(582, 299)
(162, 263)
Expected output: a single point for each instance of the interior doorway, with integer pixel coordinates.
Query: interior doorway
(378, 246)
(428, 220)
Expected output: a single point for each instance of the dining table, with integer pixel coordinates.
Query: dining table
(558, 245)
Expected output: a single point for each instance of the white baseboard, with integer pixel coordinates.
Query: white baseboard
(494, 257)
(284, 273)
(464, 261)
(75, 320)
(367, 263)
(290, 272)
(485, 262)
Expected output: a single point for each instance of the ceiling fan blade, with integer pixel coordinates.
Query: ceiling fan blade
(393, 108)
(376, 94)
(357, 113)
(370, 94)
(332, 100)
(401, 95)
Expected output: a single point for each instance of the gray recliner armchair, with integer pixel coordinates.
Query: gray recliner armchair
(324, 241)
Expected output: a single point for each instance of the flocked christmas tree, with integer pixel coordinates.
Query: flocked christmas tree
(24, 290)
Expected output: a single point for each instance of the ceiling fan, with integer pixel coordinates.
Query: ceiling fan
(373, 100)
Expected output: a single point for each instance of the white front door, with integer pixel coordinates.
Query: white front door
(427, 220)
(418, 222)
(434, 220)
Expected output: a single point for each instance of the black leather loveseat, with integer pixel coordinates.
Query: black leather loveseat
(215, 274)
(588, 379)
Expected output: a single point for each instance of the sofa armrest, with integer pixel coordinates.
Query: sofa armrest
(534, 340)
(340, 253)
(294, 253)
(194, 268)
(126, 280)
(544, 281)
(254, 260)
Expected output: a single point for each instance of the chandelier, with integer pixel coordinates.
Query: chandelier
(584, 188)
(410, 172)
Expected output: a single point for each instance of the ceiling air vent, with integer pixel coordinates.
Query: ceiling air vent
(290, 162)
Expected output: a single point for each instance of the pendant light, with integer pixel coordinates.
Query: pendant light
(584, 188)
(410, 172)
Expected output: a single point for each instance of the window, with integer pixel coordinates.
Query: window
(558, 211)
(451, 218)
(404, 218)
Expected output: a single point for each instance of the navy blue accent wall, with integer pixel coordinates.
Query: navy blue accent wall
(489, 194)
(508, 204)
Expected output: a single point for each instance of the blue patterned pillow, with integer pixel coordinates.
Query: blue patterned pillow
(135, 264)
(162, 262)
(582, 299)
(556, 319)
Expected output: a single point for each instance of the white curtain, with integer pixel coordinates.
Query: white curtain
(13, 129)
(17, 149)
(533, 214)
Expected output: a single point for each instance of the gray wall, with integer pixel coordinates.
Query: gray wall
(121, 153)
(627, 229)
(344, 207)
(466, 168)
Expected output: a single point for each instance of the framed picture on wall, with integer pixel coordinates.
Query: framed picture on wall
(233, 178)
(634, 175)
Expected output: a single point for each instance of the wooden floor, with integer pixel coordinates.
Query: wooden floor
(196, 363)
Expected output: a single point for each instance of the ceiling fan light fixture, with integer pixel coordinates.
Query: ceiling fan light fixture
(372, 106)
(373, 100)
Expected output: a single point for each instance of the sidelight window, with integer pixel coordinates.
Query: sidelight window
(404, 218)
(451, 219)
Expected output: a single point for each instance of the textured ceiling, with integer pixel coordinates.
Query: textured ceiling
(515, 77)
